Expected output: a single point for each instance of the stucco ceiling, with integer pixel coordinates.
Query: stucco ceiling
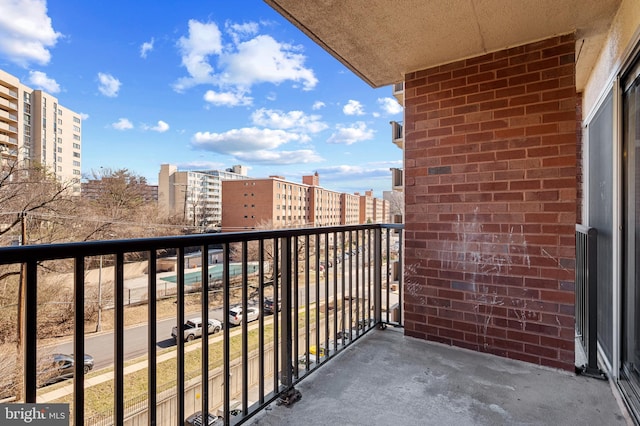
(382, 40)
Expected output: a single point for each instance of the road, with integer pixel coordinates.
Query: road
(101, 345)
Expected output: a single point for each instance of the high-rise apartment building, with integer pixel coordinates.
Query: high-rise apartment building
(36, 129)
(274, 202)
(194, 196)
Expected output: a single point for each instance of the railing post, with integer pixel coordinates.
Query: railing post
(587, 296)
(30, 324)
(78, 340)
(290, 394)
(377, 277)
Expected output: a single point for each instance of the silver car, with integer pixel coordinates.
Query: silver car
(236, 314)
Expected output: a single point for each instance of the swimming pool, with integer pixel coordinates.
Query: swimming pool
(215, 273)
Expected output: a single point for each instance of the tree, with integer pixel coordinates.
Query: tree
(396, 204)
(34, 201)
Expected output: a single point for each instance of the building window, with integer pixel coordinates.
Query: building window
(60, 121)
(76, 129)
(76, 146)
(76, 120)
(76, 172)
(60, 150)
(76, 154)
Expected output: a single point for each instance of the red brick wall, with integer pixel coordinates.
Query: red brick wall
(490, 160)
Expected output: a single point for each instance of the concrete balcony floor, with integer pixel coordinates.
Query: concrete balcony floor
(386, 378)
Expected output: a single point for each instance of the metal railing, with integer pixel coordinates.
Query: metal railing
(587, 298)
(396, 130)
(334, 284)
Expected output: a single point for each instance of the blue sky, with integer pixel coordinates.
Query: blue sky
(203, 85)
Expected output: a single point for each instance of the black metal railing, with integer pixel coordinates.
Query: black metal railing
(587, 298)
(329, 286)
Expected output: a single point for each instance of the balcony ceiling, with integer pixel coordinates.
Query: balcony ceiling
(382, 40)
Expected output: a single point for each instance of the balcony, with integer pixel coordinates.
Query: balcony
(397, 134)
(397, 179)
(8, 116)
(398, 92)
(7, 92)
(340, 318)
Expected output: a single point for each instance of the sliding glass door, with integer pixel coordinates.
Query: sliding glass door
(630, 373)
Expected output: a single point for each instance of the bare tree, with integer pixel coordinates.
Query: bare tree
(396, 204)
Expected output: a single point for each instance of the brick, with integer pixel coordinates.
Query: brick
(543, 64)
(569, 160)
(523, 79)
(525, 99)
(441, 131)
(479, 97)
(510, 133)
(479, 137)
(524, 58)
(509, 112)
(567, 92)
(542, 129)
(511, 91)
(511, 154)
(431, 97)
(435, 78)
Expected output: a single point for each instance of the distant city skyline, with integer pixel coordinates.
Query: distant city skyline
(202, 86)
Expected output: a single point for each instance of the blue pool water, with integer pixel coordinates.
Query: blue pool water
(215, 273)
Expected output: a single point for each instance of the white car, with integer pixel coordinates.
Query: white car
(236, 315)
(192, 328)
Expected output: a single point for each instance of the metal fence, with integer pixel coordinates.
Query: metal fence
(333, 285)
(587, 298)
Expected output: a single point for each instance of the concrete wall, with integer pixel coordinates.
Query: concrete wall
(490, 194)
(167, 401)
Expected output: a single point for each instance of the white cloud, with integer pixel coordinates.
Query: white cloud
(246, 139)
(26, 33)
(84, 116)
(358, 132)
(201, 165)
(253, 145)
(146, 47)
(161, 127)
(302, 156)
(248, 60)
(122, 124)
(240, 31)
(318, 104)
(292, 120)
(40, 80)
(109, 85)
(353, 108)
(359, 178)
(264, 60)
(390, 106)
(227, 98)
(204, 40)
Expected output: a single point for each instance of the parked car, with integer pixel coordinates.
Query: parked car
(267, 306)
(60, 367)
(236, 315)
(196, 420)
(192, 328)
